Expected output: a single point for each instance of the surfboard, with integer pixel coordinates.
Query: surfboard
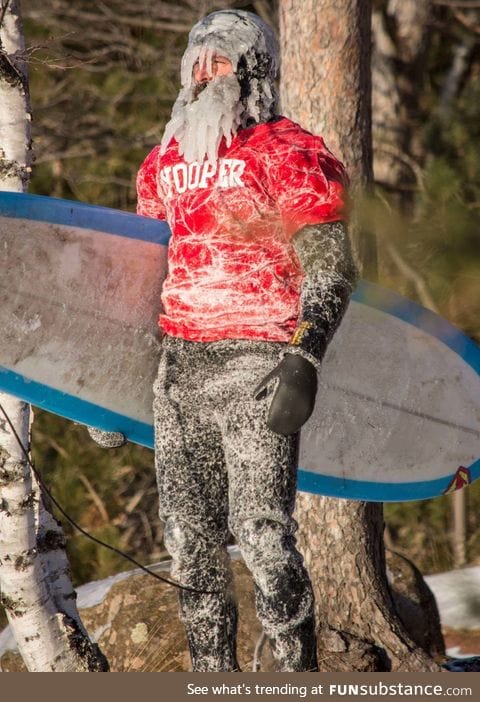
(398, 405)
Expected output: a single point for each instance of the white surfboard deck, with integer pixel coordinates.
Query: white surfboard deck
(398, 404)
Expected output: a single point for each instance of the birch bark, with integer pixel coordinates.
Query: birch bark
(34, 579)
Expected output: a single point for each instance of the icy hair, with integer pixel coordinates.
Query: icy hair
(200, 119)
(250, 44)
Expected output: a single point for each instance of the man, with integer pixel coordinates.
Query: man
(260, 274)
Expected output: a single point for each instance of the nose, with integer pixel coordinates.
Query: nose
(201, 73)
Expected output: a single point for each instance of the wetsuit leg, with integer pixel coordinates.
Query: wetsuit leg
(262, 475)
(192, 484)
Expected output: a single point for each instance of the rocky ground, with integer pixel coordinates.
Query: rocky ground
(134, 619)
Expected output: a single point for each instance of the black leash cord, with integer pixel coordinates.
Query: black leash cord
(76, 526)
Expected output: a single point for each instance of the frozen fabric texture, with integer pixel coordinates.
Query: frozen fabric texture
(199, 120)
(233, 271)
(330, 276)
(107, 439)
(219, 467)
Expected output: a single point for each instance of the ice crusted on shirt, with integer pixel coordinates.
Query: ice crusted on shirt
(201, 119)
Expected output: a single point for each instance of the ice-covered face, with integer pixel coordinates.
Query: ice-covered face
(219, 66)
(227, 75)
(206, 110)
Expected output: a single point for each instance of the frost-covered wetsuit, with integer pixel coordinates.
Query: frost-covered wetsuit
(231, 305)
(259, 269)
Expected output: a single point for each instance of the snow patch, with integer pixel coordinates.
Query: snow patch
(458, 597)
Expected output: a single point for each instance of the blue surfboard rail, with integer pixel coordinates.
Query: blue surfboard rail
(80, 214)
(84, 412)
(370, 491)
(74, 408)
(107, 220)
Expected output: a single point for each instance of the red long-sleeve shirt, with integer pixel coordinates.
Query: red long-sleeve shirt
(232, 271)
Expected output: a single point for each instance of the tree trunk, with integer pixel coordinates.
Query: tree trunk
(325, 67)
(326, 87)
(35, 586)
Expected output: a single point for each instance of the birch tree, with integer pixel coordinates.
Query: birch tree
(326, 87)
(34, 579)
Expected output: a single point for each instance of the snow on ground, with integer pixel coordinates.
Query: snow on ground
(458, 597)
(457, 593)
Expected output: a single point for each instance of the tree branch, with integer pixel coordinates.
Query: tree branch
(4, 9)
(412, 275)
(405, 159)
(466, 21)
(465, 4)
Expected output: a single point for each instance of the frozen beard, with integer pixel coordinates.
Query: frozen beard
(202, 115)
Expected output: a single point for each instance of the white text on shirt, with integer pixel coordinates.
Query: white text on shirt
(227, 173)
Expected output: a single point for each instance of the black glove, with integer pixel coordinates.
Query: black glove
(294, 397)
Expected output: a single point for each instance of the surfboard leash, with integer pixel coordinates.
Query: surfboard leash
(45, 489)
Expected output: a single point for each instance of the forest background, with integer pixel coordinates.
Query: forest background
(103, 77)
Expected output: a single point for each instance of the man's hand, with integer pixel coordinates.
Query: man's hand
(107, 439)
(294, 397)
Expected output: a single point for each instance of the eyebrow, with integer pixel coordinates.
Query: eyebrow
(222, 59)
